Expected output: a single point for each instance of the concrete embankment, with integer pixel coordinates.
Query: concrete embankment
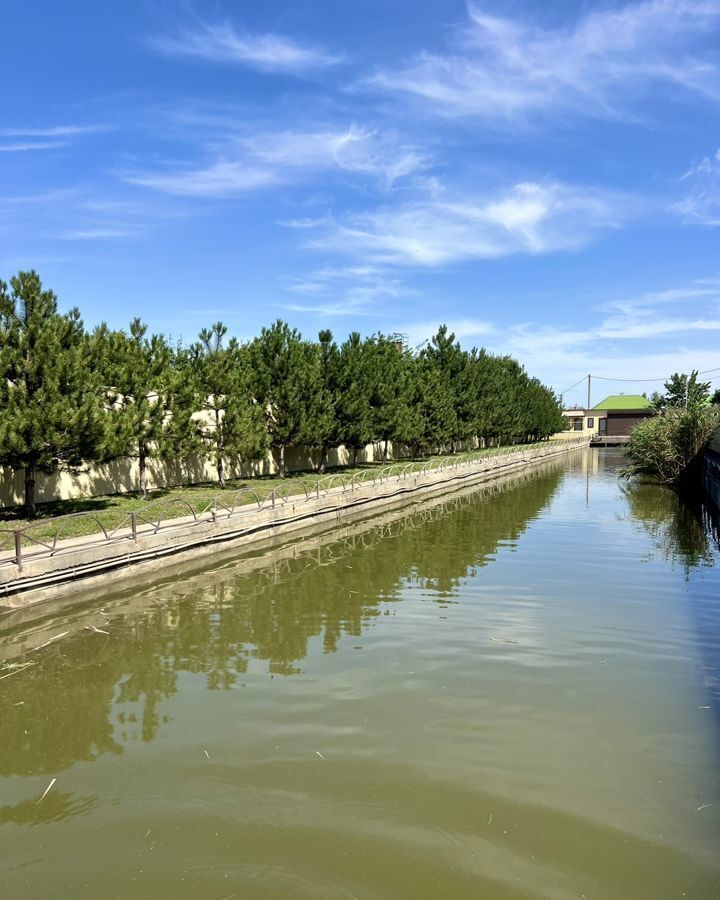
(50, 572)
(712, 469)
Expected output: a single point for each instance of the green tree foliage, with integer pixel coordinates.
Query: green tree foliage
(446, 397)
(230, 422)
(668, 448)
(683, 392)
(329, 369)
(152, 404)
(353, 410)
(716, 398)
(52, 411)
(288, 384)
(66, 398)
(395, 413)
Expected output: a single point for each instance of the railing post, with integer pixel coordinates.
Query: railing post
(272, 495)
(214, 510)
(18, 550)
(317, 490)
(133, 525)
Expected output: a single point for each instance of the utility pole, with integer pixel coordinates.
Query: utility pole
(589, 382)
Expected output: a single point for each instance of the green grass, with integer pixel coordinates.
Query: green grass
(113, 511)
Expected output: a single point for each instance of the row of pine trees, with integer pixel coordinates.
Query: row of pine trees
(68, 396)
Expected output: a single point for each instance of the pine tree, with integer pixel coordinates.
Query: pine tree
(354, 388)
(395, 413)
(152, 406)
(231, 423)
(442, 372)
(52, 409)
(329, 362)
(288, 384)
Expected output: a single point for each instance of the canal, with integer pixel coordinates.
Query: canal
(512, 691)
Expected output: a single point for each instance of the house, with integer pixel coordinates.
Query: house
(609, 422)
(618, 414)
(581, 422)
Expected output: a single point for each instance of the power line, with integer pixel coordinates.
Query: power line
(635, 380)
(574, 385)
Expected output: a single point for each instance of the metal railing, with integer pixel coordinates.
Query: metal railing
(150, 520)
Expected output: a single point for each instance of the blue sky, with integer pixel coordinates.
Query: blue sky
(545, 177)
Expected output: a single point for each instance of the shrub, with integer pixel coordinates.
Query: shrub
(668, 448)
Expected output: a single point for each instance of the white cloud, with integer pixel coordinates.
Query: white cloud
(271, 158)
(347, 291)
(527, 218)
(506, 71)
(23, 146)
(702, 204)
(53, 131)
(220, 179)
(96, 234)
(641, 340)
(354, 149)
(221, 43)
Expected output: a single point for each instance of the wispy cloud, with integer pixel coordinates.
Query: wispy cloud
(347, 291)
(97, 234)
(271, 158)
(506, 71)
(645, 337)
(353, 149)
(84, 213)
(219, 179)
(221, 43)
(53, 131)
(24, 146)
(701, 206)
(527, 218)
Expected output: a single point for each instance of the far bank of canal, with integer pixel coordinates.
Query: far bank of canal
(511, 692)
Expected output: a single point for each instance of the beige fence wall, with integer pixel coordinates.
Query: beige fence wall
(123, 475)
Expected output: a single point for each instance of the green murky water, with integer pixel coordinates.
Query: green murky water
(514, 692)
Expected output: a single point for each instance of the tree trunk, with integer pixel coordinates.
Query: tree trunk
(282, 460)
(30, 491)
(385, 449)
(220, 447)
(355, 453)
(323, 459)
(142, 462)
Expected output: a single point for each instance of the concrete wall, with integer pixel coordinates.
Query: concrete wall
(712, 469)
(122, 475)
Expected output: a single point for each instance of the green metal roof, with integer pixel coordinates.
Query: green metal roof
(624, 401)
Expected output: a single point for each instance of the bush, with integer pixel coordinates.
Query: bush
(668, 448)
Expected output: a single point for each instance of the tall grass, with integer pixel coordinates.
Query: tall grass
(668, 448)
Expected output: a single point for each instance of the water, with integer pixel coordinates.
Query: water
(514, 692)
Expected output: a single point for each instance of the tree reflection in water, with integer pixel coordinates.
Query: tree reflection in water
(91, 693)
(684, 529)
(686, 532)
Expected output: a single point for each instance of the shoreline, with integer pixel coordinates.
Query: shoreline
(81, 563)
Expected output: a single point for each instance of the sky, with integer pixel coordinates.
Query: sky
(543, 177)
